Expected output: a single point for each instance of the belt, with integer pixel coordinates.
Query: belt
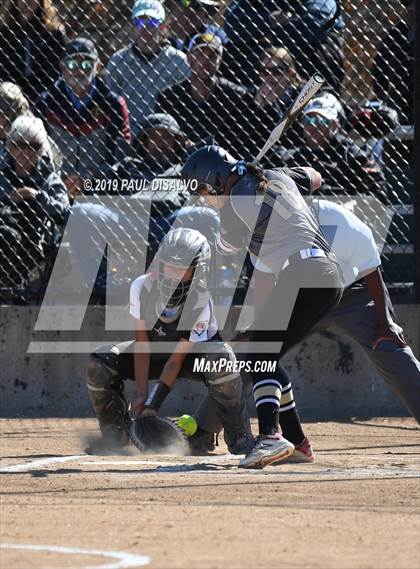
(303, 254)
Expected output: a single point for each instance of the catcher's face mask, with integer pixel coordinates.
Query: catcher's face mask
(174, 284)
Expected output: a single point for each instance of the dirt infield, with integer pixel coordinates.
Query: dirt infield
(357, 506)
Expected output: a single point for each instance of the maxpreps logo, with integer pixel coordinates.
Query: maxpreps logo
(227, 366)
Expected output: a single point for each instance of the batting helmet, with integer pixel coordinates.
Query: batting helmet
(210, 165)
(182, 247)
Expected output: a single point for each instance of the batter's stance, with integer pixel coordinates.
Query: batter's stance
(305, 282)
(365, 314)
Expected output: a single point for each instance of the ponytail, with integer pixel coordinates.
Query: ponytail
(258, 174)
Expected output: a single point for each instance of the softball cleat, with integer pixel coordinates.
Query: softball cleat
(267, 450)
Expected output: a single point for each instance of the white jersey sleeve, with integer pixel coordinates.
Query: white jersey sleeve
(350, 239)
(206, 325)
(366, 251)
(135, 290)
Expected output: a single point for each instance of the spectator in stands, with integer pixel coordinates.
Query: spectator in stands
(279, 84)
(191, 17)
(369, 125)
(31, 45)
(314, 36)
(161, 146)
(278, 80)
(312, 30)
(161, 149)
(13, 103)
(393, 71)
(344, 167)
(151, 64)
(31, 195)
(207, 105)
(88, 122)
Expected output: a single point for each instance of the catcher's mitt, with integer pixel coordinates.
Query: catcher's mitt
(158, 435)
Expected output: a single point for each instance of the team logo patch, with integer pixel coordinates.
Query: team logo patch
(201, 326)
(160, 331)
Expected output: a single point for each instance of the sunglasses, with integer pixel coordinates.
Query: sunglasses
(316, 120)
(141, 23)
(85, 64)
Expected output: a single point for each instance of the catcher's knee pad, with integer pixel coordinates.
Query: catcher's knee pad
(220, 362)
(108, 355)
(105, 389)
(227, 389)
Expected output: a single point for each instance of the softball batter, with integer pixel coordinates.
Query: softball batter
(305, 281)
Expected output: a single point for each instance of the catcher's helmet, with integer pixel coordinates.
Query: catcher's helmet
(182, 247)
(210, 165)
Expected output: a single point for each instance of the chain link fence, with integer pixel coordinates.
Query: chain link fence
(98, 96)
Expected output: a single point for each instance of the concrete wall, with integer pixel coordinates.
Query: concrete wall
(332, 377)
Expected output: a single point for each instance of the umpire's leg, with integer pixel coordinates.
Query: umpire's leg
(356, 317)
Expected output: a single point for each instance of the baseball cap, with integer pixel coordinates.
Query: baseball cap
(151, 9)
(82, 46)
(206, 40)
(161, 120)
(326, 105)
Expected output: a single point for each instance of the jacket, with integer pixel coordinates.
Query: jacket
(90, 138)
(30, 217)
(139, 78)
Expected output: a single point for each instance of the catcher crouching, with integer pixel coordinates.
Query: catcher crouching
(171, 303)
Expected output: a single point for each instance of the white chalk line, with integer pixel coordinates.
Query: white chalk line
(375, 471)
(35, 464)
(125, 560)
(215, 464)
(223, 458)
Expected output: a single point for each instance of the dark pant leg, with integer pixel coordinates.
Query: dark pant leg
(292, 310)
(295, 305)
(356, 317)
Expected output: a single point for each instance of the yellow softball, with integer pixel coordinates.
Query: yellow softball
(188, 424)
